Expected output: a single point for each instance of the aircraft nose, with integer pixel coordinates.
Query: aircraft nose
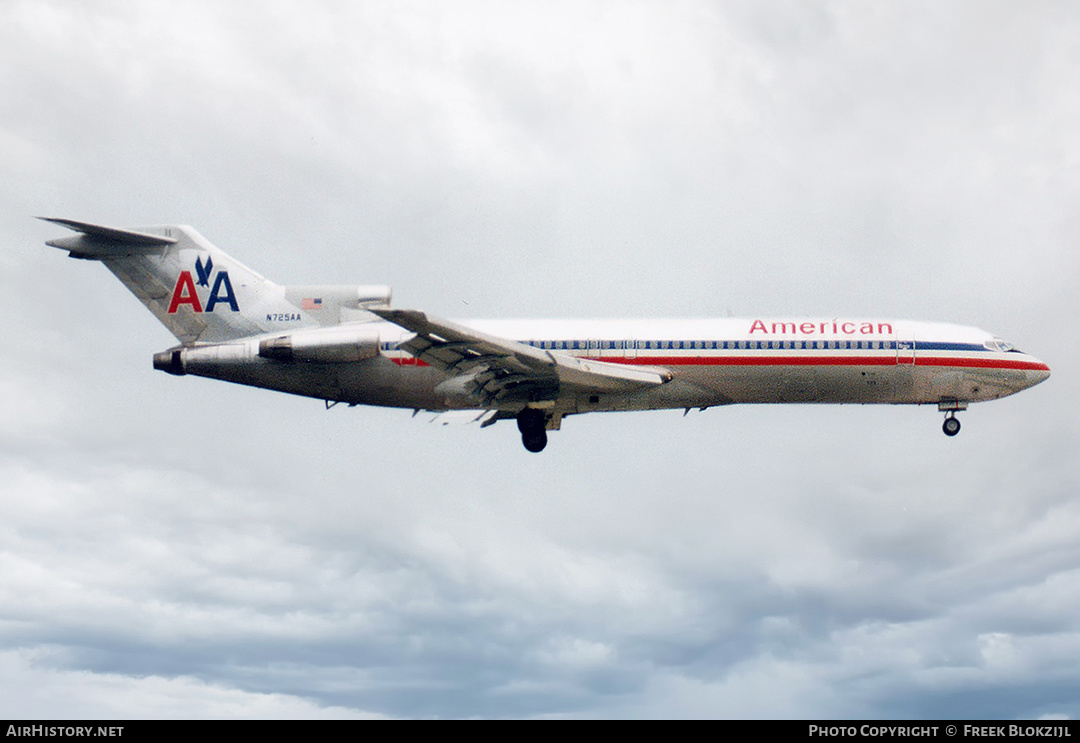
(1039, 372)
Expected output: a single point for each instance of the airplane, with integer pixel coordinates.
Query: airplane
(346, 344)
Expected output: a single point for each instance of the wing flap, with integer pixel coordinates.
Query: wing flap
(465, 417)
(604, 376)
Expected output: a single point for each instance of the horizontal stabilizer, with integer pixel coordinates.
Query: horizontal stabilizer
(129, 237)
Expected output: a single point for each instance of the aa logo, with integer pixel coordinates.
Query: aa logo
(184, 292)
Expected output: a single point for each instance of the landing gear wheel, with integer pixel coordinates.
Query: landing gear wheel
(531, 422)
(534, 442)
(531, 419)
(951, 426)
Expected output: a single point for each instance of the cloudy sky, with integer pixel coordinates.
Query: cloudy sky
(178, 547)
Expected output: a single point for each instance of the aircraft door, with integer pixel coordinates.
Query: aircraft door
(905, 347)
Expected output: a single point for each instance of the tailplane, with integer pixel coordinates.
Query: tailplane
(201, 294)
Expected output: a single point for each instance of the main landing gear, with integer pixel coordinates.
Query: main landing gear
(532, 424)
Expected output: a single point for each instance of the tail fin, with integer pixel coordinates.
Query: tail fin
(200, 293)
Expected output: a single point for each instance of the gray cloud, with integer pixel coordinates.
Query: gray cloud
(178, 547)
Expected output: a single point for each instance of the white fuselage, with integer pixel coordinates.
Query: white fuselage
(711, 362)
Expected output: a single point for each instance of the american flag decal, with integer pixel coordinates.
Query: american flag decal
(311, 304)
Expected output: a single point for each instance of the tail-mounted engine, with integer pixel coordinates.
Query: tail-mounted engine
(337, 344)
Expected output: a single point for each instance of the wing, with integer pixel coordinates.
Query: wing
(497, 370)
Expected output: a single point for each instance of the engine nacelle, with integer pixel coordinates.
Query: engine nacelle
(334, 345)
(183, 360)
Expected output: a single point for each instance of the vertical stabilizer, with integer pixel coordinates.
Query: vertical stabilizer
(194, 288)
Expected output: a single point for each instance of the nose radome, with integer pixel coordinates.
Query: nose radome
(1039, 373)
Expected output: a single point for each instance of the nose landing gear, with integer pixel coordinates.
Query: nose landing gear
(951, 426)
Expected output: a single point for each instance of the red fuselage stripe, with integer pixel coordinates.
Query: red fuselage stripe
(903, 360)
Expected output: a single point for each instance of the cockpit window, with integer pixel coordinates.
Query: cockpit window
(999, 345)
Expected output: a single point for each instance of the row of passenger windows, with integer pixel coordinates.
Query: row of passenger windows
(594, 345)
